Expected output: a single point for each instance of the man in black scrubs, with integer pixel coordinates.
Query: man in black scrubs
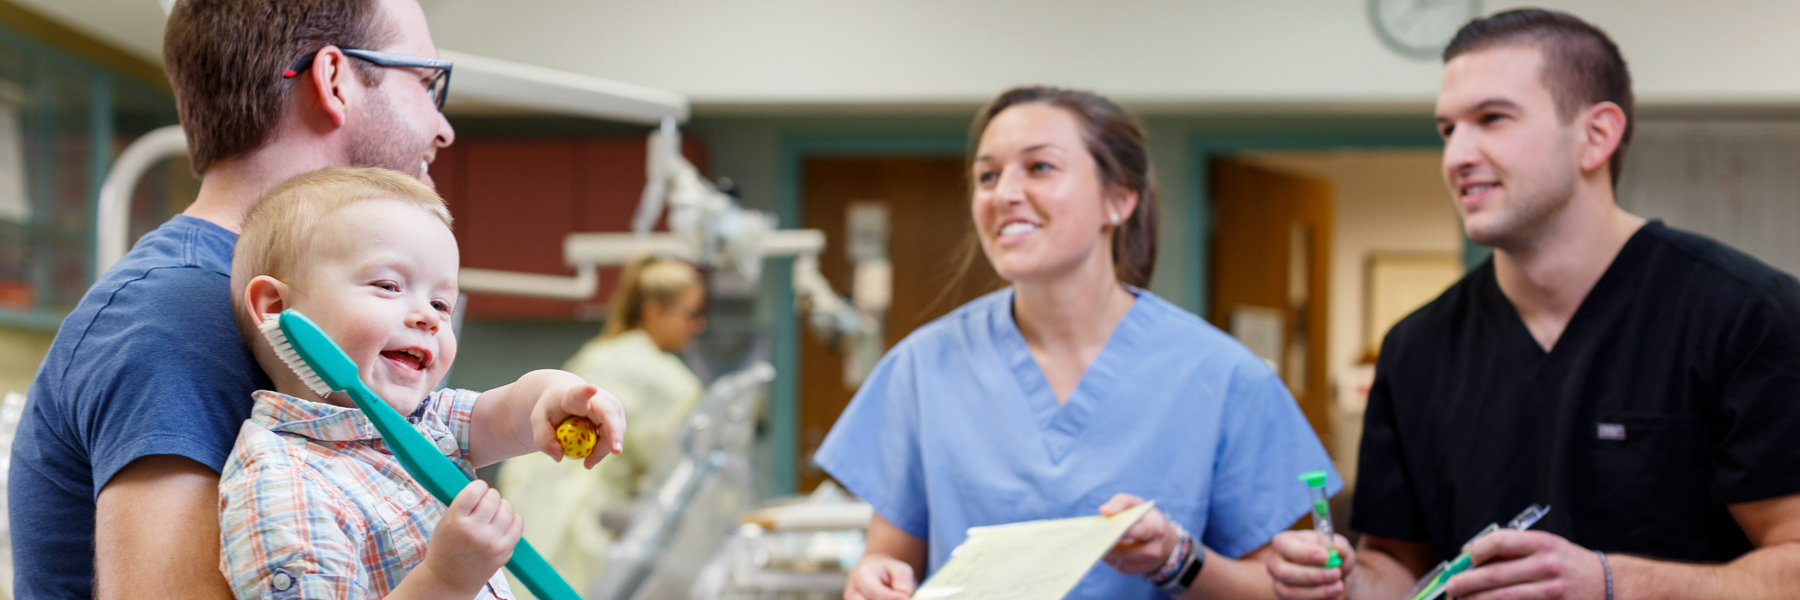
(1642, 381)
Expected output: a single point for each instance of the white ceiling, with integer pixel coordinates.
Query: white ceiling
(723, 53)
(133, 25)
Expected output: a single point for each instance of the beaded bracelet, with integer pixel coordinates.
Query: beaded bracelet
(1606, 568)
(1177, 557)
(1183, 565)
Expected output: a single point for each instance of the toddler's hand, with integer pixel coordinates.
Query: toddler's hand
(569, 396)
(474, 538)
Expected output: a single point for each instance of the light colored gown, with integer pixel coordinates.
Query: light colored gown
(562, 502)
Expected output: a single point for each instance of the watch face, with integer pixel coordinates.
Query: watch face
(1420, 28)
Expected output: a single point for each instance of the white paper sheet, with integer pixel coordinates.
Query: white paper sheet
(1033, 560)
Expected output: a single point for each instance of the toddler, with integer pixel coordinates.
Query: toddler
(312, 504)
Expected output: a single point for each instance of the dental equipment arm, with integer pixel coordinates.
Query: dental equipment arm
(706, 226)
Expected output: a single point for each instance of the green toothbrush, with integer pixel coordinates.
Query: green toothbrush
(324, 368)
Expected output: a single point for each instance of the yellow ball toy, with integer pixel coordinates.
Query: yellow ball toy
(578, 437)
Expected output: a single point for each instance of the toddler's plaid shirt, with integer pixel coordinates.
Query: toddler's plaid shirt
(313, 505)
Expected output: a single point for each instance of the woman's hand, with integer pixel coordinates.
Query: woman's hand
(890, 566)
(880, 578)
(473, 539)
(561, 395)
(1147, 545)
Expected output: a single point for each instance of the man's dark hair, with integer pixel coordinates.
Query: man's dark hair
(225, 60)
(1582, 66)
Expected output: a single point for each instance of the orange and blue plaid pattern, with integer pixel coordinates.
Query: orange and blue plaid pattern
(312, 504)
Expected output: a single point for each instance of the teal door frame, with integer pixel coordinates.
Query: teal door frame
(784, 396)
(1203, 147)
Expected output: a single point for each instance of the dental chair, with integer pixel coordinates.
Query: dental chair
(691, 503)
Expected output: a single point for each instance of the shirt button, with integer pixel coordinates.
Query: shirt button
(407, 498)
(282, 581)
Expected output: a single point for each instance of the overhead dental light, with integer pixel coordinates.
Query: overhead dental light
(481, 80)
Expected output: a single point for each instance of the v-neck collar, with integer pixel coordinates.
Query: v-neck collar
(1061, 424)
(1614, 283)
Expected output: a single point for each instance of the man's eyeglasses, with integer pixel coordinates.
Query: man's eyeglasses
(440, 85)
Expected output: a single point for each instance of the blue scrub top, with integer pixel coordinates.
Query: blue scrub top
(957, 428)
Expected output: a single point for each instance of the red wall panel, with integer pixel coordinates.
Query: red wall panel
(515, 200)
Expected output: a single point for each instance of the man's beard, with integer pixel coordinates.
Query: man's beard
(1519, 224)
(1529, 210)
(386, 142)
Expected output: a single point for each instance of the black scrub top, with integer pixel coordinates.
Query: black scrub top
(1671, 394)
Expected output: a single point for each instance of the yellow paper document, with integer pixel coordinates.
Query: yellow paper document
(1034, 560)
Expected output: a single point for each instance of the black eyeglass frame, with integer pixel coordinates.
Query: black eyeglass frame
(440, 85)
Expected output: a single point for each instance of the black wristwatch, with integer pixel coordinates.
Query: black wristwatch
(1189, 571)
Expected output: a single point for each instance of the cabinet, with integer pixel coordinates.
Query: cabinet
(63, 118)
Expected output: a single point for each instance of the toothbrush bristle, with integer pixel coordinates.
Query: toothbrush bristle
(271, 329)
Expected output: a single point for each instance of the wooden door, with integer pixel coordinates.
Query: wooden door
(1271, 260)
(928, 207)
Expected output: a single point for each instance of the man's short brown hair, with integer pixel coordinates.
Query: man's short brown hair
(1582, 66)
(279, 232)
(225, 60)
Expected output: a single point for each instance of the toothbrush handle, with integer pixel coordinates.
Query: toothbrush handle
(418, 455)
(537, 575)
(441, 477)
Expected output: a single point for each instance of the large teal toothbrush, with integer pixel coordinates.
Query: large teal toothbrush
(324, 368)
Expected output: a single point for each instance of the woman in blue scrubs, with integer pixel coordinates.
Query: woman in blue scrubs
(1073, 387)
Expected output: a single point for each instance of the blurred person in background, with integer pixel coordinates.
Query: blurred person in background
(656, 310)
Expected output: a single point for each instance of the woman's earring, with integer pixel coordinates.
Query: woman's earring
(1115, 218)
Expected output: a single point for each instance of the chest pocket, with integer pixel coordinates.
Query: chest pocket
(407, 517)
(1646, 488)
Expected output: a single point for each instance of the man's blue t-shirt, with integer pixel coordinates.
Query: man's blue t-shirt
(149, 363)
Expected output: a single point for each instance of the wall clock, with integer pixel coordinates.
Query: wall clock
(1420, 28)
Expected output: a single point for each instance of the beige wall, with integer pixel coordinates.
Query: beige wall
(20, 353)
(1385, 201)
(1732, 181)
(1140, 51)
(1147, 51)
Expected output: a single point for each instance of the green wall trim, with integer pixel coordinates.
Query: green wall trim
(802, 146)
(784, 410)
(1474, 254)
(100, 155)
(39, 320)
(1206, 144)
